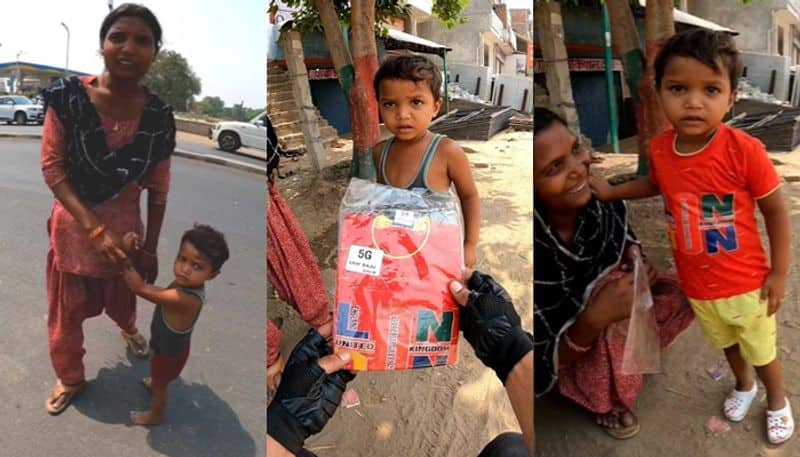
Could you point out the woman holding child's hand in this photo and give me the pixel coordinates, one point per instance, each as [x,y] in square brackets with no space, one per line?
[106,139]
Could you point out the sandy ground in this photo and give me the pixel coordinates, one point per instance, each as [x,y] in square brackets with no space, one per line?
[674,405]
[440,412]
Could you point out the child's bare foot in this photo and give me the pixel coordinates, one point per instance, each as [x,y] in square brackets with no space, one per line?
[145,418]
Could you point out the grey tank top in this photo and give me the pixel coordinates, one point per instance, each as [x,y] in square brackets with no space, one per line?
[421,178]
[164,339]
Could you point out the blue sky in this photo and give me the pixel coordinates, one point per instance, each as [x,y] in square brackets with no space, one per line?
[224,42]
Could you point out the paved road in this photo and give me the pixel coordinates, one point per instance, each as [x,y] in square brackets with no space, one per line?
[216,408]
[193,143]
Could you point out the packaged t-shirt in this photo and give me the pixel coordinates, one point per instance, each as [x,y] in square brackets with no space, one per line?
[398,251]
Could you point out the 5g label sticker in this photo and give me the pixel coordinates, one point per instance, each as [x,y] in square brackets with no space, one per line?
[364,260]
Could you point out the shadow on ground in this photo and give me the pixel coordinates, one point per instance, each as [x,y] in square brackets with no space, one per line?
[197,422]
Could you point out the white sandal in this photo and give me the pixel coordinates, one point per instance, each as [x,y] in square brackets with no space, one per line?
[780,424]
[738,403]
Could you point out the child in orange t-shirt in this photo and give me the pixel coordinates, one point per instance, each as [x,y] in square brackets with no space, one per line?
[711,177]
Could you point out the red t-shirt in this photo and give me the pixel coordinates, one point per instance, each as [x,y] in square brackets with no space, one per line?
[396,312]
[709,200]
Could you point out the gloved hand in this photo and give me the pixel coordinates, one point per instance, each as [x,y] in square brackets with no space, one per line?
[310,391]
[490,323]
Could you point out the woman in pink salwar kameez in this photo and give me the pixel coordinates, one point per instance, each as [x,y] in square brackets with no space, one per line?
[583,284]
[106,138]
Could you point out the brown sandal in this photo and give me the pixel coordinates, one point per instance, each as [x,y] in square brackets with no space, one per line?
[624,432]
[136,343]
[61,396]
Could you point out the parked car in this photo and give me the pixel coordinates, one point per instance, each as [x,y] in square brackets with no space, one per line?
[230,136]
[21,110]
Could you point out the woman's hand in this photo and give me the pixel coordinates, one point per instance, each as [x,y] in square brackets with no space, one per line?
[148,266]
[107,243]
[612,303]
[652,272]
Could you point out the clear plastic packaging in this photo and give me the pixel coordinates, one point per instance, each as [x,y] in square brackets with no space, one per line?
[642,352]
[398,251]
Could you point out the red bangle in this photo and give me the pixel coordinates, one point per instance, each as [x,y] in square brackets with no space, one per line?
[571,344]
[97,231]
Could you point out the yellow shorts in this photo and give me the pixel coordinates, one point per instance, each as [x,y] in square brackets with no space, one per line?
[741,320]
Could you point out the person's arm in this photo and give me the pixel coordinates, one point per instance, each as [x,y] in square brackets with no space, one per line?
[157,183]
[168,298]
[611,304]
[311,389]
[779,231]
[493,328]
[642,187]
[519,389]
[458,169]
[52,160]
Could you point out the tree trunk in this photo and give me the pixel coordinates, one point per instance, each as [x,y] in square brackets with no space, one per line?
[550,26]
[336,43]
[659,26]
[626,44]
[363,104]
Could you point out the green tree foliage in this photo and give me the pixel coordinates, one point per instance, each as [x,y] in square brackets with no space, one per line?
[172,78]
[307,17]
[211,106]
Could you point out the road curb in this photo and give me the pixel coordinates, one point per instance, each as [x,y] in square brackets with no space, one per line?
[221,161]
[244,166]
[31,136]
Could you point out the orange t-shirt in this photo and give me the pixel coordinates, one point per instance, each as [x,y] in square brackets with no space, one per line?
[709,200]
[402,315]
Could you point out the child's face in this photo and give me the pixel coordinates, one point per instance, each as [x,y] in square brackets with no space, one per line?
[407,108]
[694,97]
[192,269]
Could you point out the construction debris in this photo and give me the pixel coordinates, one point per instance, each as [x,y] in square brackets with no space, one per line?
[521,122]
[476,124]
[455,91]
[778,130]
[747,91]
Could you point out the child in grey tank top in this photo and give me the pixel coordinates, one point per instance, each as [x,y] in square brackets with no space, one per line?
[408,91]
[202,252]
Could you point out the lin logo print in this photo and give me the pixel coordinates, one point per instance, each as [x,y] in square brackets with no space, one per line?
[424,352]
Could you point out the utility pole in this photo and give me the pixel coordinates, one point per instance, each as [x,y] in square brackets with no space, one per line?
[66,65]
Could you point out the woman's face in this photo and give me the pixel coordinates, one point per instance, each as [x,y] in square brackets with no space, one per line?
[560,169]
[129,48]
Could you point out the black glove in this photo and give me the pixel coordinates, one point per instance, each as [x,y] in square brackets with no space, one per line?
[307,397]
[492,326]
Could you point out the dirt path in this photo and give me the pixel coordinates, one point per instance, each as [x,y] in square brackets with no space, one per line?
[674,406]
[440,412]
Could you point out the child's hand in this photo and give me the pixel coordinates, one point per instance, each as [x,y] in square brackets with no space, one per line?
[602,190]
[470,255]
[773,290]
[130,242]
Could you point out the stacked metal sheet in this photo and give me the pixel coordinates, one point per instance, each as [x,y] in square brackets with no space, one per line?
[521,122]
[476,124]
[779,130]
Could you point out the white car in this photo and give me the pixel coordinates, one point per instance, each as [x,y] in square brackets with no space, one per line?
[20,109]
[230,136]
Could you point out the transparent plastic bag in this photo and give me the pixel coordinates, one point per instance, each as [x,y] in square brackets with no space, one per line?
[398,251]
[642,352]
